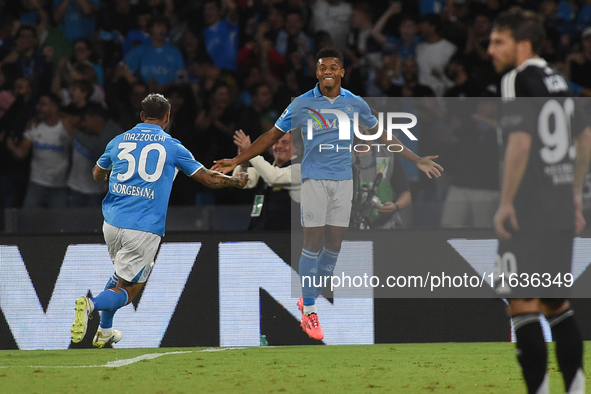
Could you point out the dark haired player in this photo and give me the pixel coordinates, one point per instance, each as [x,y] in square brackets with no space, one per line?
[541,204]
[327,186]
[140,165]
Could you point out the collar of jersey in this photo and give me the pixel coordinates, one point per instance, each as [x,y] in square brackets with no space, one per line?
[318,93]
[532,61]
[148,126]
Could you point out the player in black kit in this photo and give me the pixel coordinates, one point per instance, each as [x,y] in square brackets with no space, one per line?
[547,155]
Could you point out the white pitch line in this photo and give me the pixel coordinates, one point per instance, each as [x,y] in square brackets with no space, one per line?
[124,362]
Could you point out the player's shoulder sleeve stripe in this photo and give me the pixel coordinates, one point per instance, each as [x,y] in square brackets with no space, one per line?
[198,168]
[101,167]
[279,128]
[508,86]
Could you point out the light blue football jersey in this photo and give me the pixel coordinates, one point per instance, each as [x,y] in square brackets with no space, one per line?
[327,155]
[143,162]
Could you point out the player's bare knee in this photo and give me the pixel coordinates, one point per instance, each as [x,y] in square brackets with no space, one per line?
[313,238]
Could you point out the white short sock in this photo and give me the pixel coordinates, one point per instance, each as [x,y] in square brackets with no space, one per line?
[106,332]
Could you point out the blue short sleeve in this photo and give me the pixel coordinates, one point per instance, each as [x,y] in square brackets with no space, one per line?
[185,161]
[366,118]
[284,121]
[105,161]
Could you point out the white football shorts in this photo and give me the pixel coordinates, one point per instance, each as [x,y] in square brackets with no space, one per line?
[132,252]
[326,202]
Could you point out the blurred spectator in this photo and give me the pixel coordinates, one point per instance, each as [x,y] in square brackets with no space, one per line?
[579,63]
[78,97]
[473,196]
[433,53]
[252,76]
[183,111]
[117,18]
[260,52]
[76,18]
[276,20]
[260,116]
[476,49]
[193,50]
[14,172]
[584,16]
[83,54]
[295,84]
[276,204]
[157,63]
[459,71]
[555,21]
[293,38]
[407,31]
[141,34]
[221,32]
[31,12]
[388,74]
[32,63]
[50,143]
[94,133]
[215,126]
[127,111]
[68,74]
[360,41]
[391,189]
[54,45]
[332,16]
[411,87]
[455,21]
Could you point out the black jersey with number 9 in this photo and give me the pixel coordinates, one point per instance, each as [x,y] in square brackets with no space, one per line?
[537,100]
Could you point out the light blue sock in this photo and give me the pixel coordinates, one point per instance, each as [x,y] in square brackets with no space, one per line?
[110,300]
[308,270]
[326,262]
[107,316]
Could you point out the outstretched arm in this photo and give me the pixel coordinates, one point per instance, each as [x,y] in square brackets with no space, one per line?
[216,180]
[425,163]
[261,144]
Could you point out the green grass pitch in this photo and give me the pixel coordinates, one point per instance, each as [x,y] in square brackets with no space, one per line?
[398,368]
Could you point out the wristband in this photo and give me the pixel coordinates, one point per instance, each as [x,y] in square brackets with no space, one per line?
[397,207]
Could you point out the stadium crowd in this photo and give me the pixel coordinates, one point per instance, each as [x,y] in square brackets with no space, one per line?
[73,74]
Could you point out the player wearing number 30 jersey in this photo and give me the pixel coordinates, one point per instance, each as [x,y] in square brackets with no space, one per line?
[547,155]
[141,165]
[144,161]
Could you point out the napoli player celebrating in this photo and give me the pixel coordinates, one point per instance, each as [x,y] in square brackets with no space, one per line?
[142,164]
[327,185]
[541,202]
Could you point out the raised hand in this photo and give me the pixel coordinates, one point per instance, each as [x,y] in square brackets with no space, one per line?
[224,166]
[241,140]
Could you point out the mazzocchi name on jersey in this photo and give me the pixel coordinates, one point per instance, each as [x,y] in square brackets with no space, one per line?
[133,190]
[144,137]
